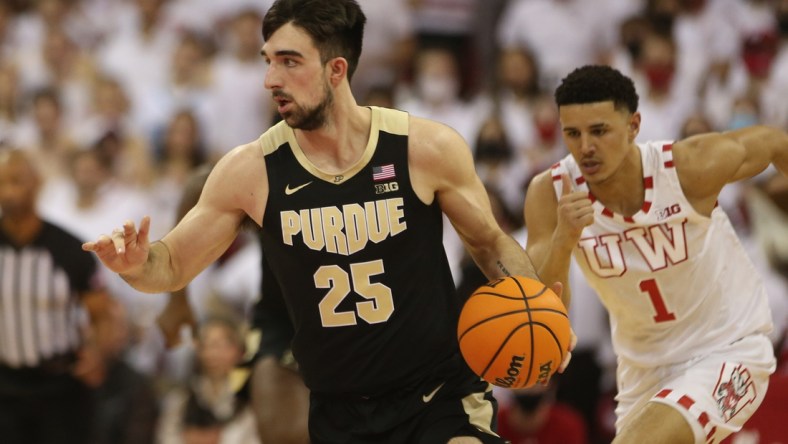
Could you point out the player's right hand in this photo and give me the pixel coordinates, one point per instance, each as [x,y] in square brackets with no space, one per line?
[575,211]
[126,249]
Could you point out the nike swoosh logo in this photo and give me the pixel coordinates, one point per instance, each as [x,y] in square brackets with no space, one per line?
[290,191]
[428,397]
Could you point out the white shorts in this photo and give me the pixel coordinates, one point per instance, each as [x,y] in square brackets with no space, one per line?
[715,393]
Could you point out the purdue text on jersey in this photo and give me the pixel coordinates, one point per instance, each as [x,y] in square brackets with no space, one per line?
[344,230]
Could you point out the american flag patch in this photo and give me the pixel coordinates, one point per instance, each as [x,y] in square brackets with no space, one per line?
[383,172]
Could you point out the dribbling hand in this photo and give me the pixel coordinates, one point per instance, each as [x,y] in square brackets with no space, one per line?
[126,249]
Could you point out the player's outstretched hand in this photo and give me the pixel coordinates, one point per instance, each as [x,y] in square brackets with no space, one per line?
[126,249]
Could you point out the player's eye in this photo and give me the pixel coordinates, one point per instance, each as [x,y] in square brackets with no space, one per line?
[290,63]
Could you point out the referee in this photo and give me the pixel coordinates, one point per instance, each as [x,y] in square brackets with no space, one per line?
[48,309]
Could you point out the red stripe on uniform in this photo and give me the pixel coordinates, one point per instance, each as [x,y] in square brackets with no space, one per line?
[667,147]
[711,433]
[646,206]
[669,164]
[629,219]
[580,180]
[686,402]
[607,212]
[664,393]
[556,178]
[592,197]
[703,419]
[648,182]
[556,165]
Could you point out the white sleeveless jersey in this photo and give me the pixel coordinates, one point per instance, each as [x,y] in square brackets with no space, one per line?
[677,284]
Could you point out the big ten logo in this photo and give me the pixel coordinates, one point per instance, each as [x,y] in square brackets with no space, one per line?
[668,211]
[381,188]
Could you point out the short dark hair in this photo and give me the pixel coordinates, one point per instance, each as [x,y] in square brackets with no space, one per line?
[336,26]
[597,83]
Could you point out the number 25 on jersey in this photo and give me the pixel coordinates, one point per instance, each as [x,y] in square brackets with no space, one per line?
[376,309]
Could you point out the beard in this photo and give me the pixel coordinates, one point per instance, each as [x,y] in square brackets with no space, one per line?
[307,119]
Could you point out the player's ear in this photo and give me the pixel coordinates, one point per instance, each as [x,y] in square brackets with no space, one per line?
[634,126]
[337,68]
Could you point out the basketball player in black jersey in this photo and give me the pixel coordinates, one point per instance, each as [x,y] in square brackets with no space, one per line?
[349,201]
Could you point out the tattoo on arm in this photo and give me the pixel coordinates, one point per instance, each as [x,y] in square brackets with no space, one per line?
[503,268]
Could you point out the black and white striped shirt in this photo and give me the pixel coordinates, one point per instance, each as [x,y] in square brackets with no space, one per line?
[40,284]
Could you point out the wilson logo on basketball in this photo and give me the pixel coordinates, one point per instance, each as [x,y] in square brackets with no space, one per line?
[544,373]
[514,371]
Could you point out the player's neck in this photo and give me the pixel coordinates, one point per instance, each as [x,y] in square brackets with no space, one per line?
[341,142]
[623,192]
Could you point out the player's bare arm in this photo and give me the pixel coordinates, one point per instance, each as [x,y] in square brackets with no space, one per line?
[707,162]
[236,188]
[554,227]
[441,167]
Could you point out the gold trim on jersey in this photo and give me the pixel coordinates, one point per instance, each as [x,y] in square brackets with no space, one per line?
[480,411]
[275,137]
[393,121]
[381,119]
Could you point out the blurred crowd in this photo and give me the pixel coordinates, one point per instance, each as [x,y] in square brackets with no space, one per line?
[120,101]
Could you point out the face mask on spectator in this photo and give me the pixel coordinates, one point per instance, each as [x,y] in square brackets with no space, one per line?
[659,76]
[758,53]
[742,119]
[438,89]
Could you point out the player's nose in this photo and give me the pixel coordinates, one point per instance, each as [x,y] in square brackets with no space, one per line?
[272,79]
[586,144]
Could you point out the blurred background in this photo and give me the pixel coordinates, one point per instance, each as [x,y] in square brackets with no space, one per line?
[120,101]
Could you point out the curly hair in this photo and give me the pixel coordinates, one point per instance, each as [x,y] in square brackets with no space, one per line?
[597,83]
[336,26]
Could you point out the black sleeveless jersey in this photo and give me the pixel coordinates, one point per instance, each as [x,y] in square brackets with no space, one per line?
[360,261]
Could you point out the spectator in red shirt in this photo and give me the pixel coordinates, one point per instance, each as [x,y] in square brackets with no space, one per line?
[532,416]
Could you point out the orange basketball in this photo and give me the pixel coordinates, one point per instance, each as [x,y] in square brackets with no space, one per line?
[514,332]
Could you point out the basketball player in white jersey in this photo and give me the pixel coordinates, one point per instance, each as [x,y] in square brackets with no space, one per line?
[688,311]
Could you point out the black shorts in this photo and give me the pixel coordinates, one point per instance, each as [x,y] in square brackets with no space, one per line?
[451,402]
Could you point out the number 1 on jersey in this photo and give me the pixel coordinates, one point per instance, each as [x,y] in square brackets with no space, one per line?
[663,315]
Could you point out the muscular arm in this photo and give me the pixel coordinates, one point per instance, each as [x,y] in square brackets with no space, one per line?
[551,260]
[707,162]
[442,167]
[554,227]
[236,187]
[178,312]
